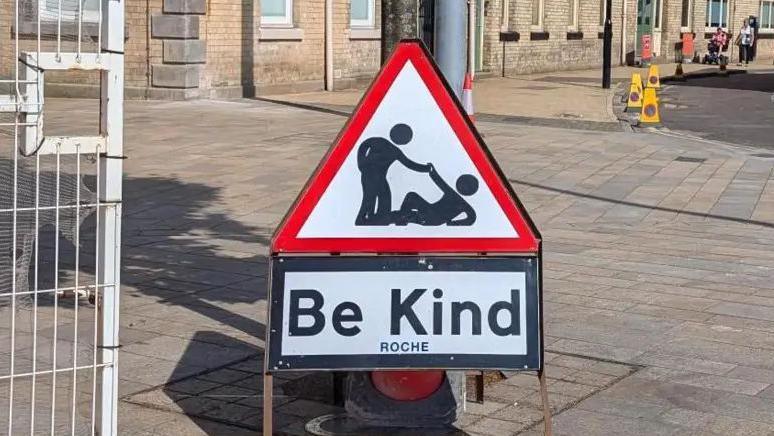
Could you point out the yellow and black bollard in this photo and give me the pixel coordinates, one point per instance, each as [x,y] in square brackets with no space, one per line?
[654,79]
[649,113]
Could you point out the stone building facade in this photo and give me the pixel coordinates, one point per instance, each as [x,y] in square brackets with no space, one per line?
[567,34]
[179,49]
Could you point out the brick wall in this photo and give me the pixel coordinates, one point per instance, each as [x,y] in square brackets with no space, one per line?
[293,64]
[239,60]
[29,44]
[565,47]
[138,45]
[229,30]
[739,10]
[356,56]
[559,52]
[6,46]
[80,83]
[298,64]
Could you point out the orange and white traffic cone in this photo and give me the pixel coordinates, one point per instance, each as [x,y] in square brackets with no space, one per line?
[467,97]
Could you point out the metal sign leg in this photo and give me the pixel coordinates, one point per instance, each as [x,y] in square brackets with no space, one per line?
[268,391]
[479,377]
[546,407]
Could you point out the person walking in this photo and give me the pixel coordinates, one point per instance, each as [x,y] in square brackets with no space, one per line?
[745,42]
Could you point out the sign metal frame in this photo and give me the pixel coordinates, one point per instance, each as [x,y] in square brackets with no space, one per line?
[286,248]
[532,360]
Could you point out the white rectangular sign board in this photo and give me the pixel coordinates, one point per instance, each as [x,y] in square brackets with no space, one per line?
[338,312]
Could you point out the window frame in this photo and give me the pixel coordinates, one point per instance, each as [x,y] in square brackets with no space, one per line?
[687,9]
[49,26]
[574,16]
[370,22]
[89,16]
[284,21]
[602,15]
[658,15]
[541,15]
[769,29]
[724,16]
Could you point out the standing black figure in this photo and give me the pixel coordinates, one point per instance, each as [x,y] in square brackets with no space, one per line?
[374,158]
[451,209]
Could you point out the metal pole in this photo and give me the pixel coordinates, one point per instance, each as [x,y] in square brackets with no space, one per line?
[399,21]
[268,403]
[328,45]
[110,188]
[451,20]
[607,45]
[450,46]
[623,31]
[472,38]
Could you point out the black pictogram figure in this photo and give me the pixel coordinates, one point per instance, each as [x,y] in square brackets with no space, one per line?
[451,209]
[374,157]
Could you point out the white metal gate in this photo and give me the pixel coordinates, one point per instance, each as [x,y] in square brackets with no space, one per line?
[60,220]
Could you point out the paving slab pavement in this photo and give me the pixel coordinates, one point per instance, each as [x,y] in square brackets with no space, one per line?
[659,302]
[573,99]
[523,96]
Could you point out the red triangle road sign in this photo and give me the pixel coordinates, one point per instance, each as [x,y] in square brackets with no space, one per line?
[409,173]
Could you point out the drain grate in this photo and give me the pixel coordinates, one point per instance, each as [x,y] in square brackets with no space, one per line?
[690,159]
[765,155]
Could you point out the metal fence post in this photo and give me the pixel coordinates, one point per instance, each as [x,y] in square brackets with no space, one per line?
[111,127]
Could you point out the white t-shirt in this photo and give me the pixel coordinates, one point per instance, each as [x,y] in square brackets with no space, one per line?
[746,34]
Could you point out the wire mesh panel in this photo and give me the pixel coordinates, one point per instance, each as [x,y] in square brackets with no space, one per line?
[59,222]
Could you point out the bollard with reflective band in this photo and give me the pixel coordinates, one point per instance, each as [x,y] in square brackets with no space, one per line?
[467,97]
[649,114]
[654,77]
[637,80]
[387,399]
[635,99]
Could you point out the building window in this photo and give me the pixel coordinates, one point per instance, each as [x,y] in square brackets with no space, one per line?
[572,15]
[602,12]
[717,14]
[361,13]
[74,18]
[537,14]
[685,17]
[767,15]
[277,12]
[49,11]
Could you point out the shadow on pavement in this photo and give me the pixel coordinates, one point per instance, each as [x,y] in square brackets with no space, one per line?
[183,249]
[762,82]
[641,205]
[584,82]
[174,238]
[228,400]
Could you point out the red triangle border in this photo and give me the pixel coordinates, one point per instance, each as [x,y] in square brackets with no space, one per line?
[285,238]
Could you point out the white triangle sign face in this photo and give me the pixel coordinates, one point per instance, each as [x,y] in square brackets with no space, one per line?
[407,174]
[408,102]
